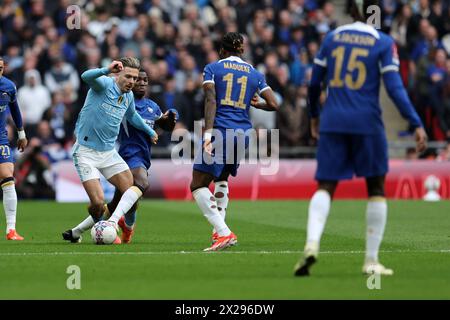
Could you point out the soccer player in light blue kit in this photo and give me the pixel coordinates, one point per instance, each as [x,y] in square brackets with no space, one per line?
[352,140]
[107,103]
[135,149]
[8,99]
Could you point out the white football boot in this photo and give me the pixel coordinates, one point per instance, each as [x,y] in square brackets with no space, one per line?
[309,258]
[371,267]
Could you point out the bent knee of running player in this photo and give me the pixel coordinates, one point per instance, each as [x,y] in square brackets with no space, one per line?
[200,180]
[140,178]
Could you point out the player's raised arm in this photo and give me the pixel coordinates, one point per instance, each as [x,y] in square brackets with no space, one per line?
[136,121]
[397,92]
[94,78]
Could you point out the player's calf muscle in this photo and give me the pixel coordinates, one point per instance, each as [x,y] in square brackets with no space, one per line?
[140,179]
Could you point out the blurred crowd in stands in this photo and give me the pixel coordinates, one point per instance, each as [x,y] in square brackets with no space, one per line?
[175,39]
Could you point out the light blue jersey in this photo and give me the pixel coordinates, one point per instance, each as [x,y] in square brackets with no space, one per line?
[98,123]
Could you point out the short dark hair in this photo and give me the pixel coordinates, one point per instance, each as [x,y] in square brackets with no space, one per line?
[233,42]
[359,8]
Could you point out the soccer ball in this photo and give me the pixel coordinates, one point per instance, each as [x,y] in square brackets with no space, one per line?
[103,232]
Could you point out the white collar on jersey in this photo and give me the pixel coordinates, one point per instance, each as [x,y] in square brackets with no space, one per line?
[359,26]
[234,58]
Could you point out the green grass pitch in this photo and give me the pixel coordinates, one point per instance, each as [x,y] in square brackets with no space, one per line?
[165,260]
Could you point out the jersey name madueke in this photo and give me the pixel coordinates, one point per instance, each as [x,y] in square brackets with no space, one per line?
[238,67]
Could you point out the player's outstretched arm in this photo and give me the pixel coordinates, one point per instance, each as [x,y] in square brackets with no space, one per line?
[397,92]
[268,104]
[136,121]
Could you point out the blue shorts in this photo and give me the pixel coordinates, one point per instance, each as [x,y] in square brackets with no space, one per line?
[233,150]
[6,155]
[136,161]
[340,156]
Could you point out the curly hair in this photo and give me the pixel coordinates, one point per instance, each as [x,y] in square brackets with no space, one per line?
[233,42]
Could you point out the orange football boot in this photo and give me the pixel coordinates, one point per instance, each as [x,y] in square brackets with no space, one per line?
[223,243]
[215,237]
[127,233]
[13,235]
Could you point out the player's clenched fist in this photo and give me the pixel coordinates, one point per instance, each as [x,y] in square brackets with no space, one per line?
[22,144]
[115,67]
[154,138]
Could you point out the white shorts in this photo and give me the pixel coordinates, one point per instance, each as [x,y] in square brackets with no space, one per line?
[90,163]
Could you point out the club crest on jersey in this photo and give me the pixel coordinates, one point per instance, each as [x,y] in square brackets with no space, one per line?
[120,100]
[4,99]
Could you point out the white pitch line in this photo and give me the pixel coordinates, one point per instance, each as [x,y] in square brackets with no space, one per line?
[137,253]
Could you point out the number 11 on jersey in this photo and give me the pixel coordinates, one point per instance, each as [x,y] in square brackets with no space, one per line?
[227,101]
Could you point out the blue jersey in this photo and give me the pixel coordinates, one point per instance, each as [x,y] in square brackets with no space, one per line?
[99,120]
[355,56]
[135,145]
[236,82]
[8,94]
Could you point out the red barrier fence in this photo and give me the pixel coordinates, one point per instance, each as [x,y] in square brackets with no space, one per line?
[293,180]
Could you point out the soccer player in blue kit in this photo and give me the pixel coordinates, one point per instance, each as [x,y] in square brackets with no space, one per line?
[135,150]
[230,85]
[108,101]
[352,140]
[8,99]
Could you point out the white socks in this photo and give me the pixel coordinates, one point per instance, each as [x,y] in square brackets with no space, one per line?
[10,205]
[86,224]
[319,207]
[128,199]
[208,204]
[376,220]
[221,195]
[376,213]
